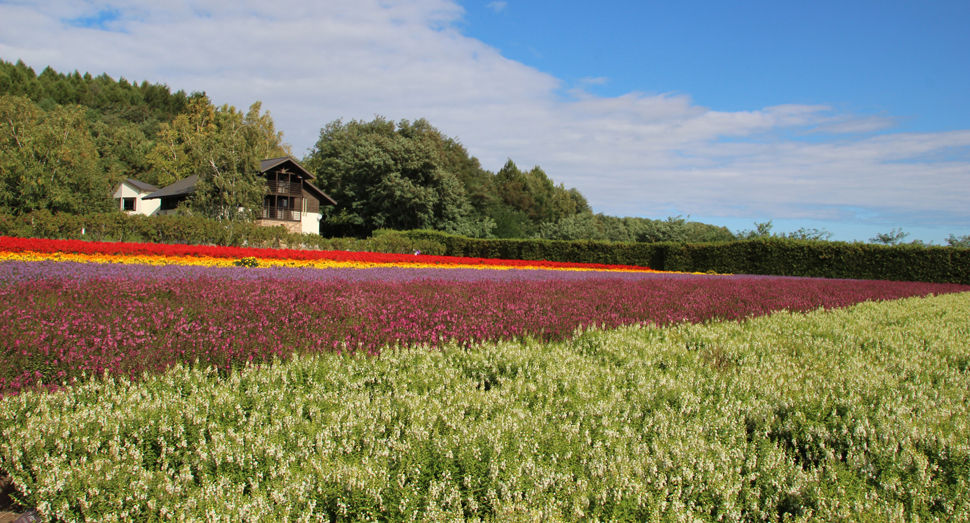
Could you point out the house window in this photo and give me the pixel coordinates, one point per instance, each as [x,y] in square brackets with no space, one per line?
[172,203]
[128,204]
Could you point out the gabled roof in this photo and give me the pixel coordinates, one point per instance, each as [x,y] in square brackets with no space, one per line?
[141,186]
[265,165]
[313,189]
[180,188]
[187,186]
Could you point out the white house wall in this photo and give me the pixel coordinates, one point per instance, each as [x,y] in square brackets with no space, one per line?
[311,222]
[146,207]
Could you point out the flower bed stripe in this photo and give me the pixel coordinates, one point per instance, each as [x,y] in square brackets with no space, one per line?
[34,249]
[58,328]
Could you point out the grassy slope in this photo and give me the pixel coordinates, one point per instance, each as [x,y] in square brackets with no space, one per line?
[855,414]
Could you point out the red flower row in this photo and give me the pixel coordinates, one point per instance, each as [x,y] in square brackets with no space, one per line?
[9,244]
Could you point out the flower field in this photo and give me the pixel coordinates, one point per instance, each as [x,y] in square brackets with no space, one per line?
[342,386]
[855,414]
[136,308]
[33,249]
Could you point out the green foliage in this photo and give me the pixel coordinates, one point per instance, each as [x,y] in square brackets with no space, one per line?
[845,415]
[197,230]
[599,227]
[223,147]
[246,262]
[533,201]
[761,230]
[817,235]
[962,242]
[770,256]
[410,176]
[48,160]
[390,176]
[110,101]
[893,237]
[224,153]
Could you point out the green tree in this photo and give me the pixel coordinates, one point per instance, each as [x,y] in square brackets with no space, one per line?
[819,235]
[223,147]
[532,195]
[225,155]
[48,160]
[123,149]
[893,237]
[173,157]
[962,242]
[268,141]
[761,230]
[387,176]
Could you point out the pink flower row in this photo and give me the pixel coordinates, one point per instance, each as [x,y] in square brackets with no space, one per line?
[57,329]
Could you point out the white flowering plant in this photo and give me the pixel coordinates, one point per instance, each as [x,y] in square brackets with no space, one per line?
[856,414]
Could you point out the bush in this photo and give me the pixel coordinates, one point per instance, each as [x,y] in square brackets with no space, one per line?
[764,256]
[195,230]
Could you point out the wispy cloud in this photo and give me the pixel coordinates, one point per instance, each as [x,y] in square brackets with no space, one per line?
[647,154]
[498,7]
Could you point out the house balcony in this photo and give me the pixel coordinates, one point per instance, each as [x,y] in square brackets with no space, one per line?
[284,188]
[281,213]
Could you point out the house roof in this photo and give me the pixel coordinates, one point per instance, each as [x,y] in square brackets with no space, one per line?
[313,189]
[265,165]
[180,188]
[141,186]
[187,186]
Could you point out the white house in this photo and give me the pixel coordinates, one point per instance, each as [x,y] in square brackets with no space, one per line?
[131,194]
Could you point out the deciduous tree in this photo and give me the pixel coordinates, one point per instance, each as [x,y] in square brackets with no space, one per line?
[389,176]
[48,160]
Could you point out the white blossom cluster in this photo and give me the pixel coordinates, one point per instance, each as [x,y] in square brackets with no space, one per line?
[844,415]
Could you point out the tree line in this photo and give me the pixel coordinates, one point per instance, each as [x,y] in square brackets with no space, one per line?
[66,140]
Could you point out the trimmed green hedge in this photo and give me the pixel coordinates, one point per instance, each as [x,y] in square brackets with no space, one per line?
[194,230]
[772,256]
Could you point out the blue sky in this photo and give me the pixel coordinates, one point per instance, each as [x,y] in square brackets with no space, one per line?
[904,60]
[849,116]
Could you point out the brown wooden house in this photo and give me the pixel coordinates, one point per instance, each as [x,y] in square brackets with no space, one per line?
[290,200]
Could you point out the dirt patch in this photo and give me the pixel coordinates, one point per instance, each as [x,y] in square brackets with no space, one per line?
[10,512]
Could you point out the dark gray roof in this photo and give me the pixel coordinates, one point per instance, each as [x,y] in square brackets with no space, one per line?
[179,188]
[187,186]
[142,186]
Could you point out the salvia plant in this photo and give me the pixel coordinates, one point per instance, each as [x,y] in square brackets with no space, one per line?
[854,414]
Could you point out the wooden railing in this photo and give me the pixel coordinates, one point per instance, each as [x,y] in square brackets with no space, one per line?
[285,188]
[281,213]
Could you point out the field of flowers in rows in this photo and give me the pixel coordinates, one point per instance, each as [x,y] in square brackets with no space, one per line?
[855,414]
[65,320]
[147,382]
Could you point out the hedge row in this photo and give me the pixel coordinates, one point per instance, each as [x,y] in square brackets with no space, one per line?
[771,256]
[194,230]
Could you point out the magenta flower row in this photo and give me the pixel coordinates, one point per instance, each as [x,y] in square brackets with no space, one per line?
[62,321]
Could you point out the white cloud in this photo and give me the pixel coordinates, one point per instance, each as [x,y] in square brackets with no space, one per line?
[640,153]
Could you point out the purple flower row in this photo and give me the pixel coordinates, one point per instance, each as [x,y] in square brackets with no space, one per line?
[61,321]
[16,271]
